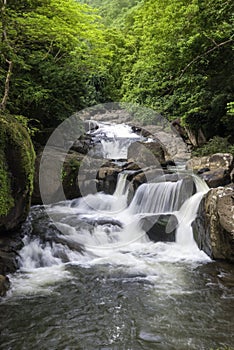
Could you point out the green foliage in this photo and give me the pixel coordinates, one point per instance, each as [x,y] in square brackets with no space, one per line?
[230,108]
[114,13]
[174,56]
[215,145]
[59,57]
[183,61]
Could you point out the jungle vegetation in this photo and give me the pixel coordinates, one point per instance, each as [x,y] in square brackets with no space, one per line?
[174,56]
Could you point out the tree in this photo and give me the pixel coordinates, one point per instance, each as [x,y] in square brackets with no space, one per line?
[184,61]
[58,51]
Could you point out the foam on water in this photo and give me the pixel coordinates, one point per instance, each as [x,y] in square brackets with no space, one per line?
[109,233]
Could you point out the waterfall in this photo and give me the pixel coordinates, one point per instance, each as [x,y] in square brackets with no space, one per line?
[188,212]
[106,229]
[115,148]
[121,186]
[114,139]
[162,197]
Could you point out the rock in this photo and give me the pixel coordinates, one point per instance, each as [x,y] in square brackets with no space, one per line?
[160,227]
[161,131]
[90,125]
[175,146]
[214,226]
[179,129]
[107,176]
[146,154]
[83,144]
[146,175]
[103,221]
[4,285]
[60,176]
[215,169]
[196,138]
[203,170]
[10,244]
[16,173]
[213,162]
[216,178]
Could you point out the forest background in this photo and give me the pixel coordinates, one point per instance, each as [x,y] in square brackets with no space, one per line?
[174,56]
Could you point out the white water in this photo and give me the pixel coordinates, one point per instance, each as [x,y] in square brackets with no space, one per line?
[156,198]
[118,242]
[107,226]
[115,139]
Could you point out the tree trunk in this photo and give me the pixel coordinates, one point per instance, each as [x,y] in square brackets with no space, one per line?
[7,86]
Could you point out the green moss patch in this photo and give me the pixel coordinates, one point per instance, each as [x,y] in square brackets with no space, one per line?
[16,163]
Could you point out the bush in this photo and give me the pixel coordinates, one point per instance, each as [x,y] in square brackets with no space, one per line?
[215,145]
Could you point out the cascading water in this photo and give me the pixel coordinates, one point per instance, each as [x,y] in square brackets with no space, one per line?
[115,139]
[104,226]
[90,278]
[157,198]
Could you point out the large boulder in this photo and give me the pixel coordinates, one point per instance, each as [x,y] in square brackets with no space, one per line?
[217,177]
[16,173]
[215,169]
[160,228]
[213,162]
[214,226]
[58,173]
[147,154]
[107,178]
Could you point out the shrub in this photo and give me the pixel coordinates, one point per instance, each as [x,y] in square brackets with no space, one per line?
[215,145]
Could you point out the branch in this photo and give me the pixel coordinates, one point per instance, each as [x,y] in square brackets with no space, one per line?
[7,86]
[48,51]
[205,54]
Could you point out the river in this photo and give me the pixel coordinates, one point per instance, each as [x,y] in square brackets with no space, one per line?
[91,279]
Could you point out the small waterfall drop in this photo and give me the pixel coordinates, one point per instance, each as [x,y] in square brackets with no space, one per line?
[188,212]
[121,186]
[162,197]
[114,139]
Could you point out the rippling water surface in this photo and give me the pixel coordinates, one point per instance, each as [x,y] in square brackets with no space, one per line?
[181,306]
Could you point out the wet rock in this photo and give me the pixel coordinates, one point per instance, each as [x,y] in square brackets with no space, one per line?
[83,144]
[103,221]
[90,125]
[4,285]
[203,170]
[107,178]
[216,178]
[10,244]
[160,227]
[147,175]
[214,226]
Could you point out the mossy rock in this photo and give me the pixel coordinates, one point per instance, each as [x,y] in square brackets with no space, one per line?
[16,172]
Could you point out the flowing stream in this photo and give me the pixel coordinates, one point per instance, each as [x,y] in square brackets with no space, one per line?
[90,278]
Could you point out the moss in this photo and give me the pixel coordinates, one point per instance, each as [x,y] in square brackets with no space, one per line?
[6,199]
[17,158]
[69,175]
[70,170]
